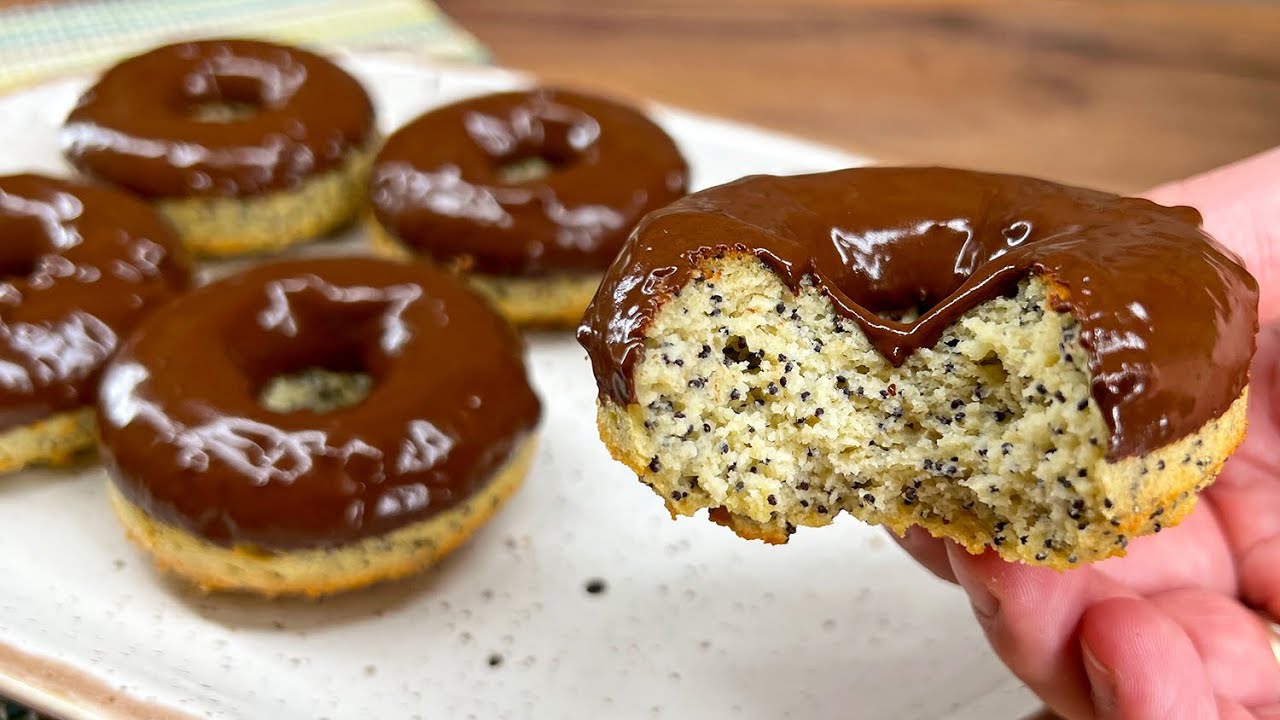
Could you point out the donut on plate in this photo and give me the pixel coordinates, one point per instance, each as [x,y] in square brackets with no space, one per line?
[81,266]
[532,192]
[308,427]
[1009,363]
[246,146]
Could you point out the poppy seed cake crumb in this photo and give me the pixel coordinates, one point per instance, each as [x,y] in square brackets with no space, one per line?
[991,437]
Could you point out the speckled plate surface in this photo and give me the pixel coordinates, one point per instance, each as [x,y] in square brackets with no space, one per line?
[686,620]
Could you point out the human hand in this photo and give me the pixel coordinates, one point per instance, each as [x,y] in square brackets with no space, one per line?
[1169,631]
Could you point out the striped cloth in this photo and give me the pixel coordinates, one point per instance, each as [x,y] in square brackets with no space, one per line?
[41,41]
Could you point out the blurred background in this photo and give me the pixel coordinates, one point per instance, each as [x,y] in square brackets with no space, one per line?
[1119,94]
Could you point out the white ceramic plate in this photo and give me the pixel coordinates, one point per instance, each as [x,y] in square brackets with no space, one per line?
[694,623]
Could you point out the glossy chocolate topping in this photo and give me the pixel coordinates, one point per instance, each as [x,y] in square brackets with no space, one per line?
[144,124]
[438,185]
[79,266]
[1168,315]
[187,440]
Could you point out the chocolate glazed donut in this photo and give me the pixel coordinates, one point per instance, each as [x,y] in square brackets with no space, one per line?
[207,123]
[440,187]
[1042,371]
[138,127]
[191,447]
[82,265]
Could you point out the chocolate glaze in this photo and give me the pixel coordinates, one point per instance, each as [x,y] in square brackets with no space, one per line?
[1168,316]
[136,128]
[437,183]
[186,439]
[79,266]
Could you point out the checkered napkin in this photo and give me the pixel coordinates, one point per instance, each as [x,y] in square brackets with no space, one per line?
[59,38]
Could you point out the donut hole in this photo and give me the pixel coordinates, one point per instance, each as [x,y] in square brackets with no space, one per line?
[18,267]
[313,373]
[555,147]
[222,99]
[316,347]
[27,241]
[533,167]
[220,111]
[525,170]
[339,383]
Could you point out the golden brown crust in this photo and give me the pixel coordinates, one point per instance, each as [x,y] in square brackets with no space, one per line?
[315,573]
[551,302]
[57,440]
[224,227]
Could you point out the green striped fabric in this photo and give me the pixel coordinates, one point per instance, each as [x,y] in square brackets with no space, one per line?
[40,41]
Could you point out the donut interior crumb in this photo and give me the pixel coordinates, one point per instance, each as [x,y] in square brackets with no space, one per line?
[772,410]
[524,170]
[317,389]
[226,111]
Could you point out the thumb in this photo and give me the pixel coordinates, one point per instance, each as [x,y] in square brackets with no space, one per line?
[1240,204]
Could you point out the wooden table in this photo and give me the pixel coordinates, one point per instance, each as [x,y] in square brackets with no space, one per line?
[1121,94]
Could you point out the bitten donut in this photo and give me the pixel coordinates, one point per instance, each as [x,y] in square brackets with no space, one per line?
[309,427]
[81,265]
[1010,363]
[246,146]
[533,192]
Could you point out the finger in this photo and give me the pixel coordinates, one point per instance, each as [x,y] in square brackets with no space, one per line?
[1229,709]
[1260,577]
[928,551]
[1247,495]
[1030,615]
[1240,204]
[1233,644]
[1194,554]
[1270,712]
[1141,664]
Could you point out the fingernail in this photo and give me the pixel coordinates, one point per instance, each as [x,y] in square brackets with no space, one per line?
[1101,682]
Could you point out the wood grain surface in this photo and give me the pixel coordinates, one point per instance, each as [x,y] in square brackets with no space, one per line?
[1118,94]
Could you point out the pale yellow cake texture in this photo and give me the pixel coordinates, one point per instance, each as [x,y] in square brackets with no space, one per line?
[228,226]
[550,301]
[773,411]
[325,571]
[58,440]
[317,389]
